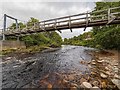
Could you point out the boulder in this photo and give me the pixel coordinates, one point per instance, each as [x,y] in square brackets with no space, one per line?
[86,85]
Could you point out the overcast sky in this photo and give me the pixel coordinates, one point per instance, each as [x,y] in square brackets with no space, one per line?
[23,10]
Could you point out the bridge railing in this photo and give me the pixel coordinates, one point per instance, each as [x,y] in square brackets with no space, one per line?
[82,18]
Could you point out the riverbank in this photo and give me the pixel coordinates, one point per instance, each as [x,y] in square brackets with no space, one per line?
[104,70]
[28,50]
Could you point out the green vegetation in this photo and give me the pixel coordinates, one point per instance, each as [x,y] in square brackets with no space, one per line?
[102,37]
[49,39]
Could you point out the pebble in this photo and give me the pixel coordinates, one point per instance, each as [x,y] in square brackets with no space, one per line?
[116,76]
[95,88]
[86,85]
[103,85]
[99,61]
[95,83]
[73,85]
[8,58]
[106,68]
[64,81]
[103,75]
[49,86]
[83,80]
[93,63]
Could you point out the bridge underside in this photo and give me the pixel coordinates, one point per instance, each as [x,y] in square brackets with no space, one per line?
[81,24]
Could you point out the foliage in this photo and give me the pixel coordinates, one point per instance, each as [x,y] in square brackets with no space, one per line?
[107,37]
[52,39]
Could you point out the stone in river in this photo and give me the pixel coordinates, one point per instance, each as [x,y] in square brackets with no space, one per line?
[83,80]
[103,75]
[73,85]
[99,61]
[103,85]
[86,85]
[93,63]
[95,88]
[64,82]
[49,86]
[116,82]
[106,68]
[95,83]
[8,58]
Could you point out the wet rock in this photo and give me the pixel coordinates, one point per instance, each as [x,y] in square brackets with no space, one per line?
[86,85]
[116,82]
[103,75]
[95,83]
[103,85]
[49,86]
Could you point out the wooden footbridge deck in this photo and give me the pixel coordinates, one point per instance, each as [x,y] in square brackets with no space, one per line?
[82,20]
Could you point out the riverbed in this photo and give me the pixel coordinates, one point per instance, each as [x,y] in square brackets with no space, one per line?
[65,67]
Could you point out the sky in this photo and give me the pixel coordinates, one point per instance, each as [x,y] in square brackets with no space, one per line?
[43,10]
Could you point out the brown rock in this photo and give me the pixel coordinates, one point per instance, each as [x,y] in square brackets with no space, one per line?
[71,77]
[73,85]
[103,85]
[83,80]
[64,82]
[49,86]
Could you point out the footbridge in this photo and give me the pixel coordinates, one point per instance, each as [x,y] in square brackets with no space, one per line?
[83,20]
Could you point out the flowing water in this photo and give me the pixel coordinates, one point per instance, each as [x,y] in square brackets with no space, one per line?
[21,70]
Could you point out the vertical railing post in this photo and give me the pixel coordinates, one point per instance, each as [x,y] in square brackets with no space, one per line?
[16,24]
[69,22]
[87,21]
[4,27]
[109,15]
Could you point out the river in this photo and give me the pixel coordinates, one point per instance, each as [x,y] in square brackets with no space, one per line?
[47,69]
